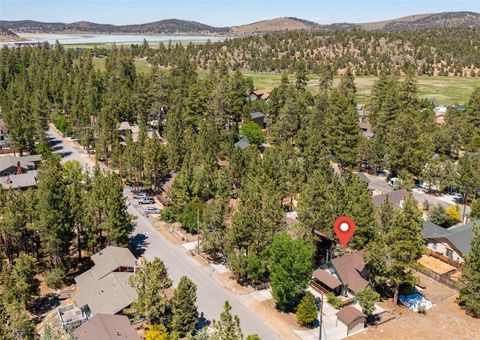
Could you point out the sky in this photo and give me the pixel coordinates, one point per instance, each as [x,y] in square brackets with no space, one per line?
[224,12]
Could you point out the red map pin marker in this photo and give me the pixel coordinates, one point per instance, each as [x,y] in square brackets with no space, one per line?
[344,228]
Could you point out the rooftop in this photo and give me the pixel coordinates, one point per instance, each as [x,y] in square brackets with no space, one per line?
[348,268]
[105,287]
[349,314]
[104,326]
[396,197]
[257,115]
[26,180]
[9,161]
[459,237]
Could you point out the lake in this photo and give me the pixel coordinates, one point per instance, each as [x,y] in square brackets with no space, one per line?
[77,39]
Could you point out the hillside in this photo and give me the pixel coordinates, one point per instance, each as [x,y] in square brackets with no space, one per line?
[274,25]
[175,26]
[170,26]
[426,21]
[7,35]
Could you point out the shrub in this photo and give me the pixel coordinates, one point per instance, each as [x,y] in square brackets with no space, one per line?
[307,310]
[439,216]
[334,301]
[168,215]
[454,213]
[55,278]
[190,214]
[253,132]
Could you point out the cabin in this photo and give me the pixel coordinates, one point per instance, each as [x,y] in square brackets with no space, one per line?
[259,119]
[344,275]
[105,287]
[452,243]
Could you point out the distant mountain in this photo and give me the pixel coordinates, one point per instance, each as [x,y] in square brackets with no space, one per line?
[425,21]
[170,26]
[175,26]
[7,35]
[274,25]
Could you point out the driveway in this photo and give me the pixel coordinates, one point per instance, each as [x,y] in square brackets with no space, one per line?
[150,244]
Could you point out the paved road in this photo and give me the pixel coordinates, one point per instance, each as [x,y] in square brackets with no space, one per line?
[211,294]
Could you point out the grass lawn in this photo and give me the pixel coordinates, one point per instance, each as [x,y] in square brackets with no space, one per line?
[447,90]
[140,65]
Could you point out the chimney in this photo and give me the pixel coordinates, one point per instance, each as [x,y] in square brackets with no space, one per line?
[19,169]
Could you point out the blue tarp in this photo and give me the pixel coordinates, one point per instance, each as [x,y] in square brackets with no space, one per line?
[415,302]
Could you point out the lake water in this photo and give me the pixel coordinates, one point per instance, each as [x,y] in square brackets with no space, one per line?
[72,39]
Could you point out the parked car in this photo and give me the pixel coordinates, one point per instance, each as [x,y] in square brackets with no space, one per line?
[146,200]
[140,196]
[152,210]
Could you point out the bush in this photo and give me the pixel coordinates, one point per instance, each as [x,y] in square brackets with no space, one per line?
[334,301]
[190,214]
[55,278]
[454,213]
[439,216]
[253,132]
[168,215]
[62,125]
[307,310]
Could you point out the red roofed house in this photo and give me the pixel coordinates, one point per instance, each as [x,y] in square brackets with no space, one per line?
[343,275]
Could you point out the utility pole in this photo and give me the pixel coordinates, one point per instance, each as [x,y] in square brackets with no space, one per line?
[198,232]
[321,318]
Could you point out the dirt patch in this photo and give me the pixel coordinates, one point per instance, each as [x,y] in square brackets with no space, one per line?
[436,265]
[282,323]
[434,290]
[166,231]
[445,320]
[228,281]
[200,260]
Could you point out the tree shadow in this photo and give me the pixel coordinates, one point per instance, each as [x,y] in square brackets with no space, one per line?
[65,154]
[140,243]
[202,323]
[42,305]
[53,142]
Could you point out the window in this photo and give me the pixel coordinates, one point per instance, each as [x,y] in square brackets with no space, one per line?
[434,246]
[449,253]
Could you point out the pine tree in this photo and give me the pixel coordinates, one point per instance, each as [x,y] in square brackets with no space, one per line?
[367,299]
[150,282]
[469,297]
[357,203]
[184,307]
[228,327]
[307,310]
[406,243]
[318,205]
[54,213]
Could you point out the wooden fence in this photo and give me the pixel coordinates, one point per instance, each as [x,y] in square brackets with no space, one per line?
[439,278]
[443,258]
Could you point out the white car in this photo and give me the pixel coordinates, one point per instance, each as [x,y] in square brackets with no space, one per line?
[152,210]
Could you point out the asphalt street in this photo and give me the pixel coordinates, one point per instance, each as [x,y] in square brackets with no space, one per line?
[210,293]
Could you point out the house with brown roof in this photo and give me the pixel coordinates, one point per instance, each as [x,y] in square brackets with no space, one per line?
[342,275]
[105,287]
[396,197]
[260,95]
[352,319]
[108,327]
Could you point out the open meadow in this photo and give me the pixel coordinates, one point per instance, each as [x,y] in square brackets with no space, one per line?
[447,90]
